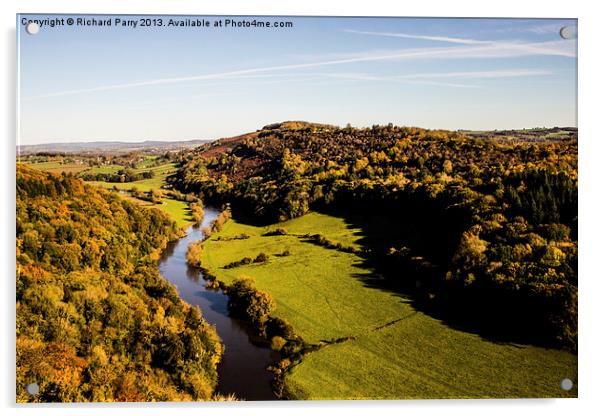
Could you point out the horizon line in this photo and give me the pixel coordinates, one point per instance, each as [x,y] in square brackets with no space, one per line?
[138,141]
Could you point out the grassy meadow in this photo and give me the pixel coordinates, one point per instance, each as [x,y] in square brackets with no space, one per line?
[396,352]
[58,167]
[105,169]
[145,185]
[178,210]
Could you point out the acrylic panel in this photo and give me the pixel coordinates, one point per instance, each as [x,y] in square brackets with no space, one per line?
[241,208]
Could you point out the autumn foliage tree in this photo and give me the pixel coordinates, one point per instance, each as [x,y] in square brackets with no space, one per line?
[94,320]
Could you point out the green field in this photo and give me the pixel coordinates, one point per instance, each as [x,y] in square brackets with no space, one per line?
[147,162]
[397,352]
[178,210]
[58,167]
[145,185]
[105,169]
[136,200]
[161,170]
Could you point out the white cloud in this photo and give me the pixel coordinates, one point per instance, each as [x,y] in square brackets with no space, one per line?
[505,73]
[539,29]
[463,41]
[490,50]
[426,79]
[394,79]
[469,50]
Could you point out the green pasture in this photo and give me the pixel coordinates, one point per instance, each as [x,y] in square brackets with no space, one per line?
[397,351]
[178,210]
[105,169]
[144,185]
[58,167]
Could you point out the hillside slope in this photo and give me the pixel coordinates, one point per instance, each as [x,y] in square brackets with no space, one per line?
[95,320]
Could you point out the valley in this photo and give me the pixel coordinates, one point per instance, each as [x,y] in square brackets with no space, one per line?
[382,263]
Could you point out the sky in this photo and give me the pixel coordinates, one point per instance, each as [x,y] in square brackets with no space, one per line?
[89,83]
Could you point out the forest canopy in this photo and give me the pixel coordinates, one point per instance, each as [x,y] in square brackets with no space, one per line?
[95,320]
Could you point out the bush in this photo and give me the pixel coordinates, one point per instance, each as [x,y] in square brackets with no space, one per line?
[212,284]
[241,262]
[277,231]
[193,254]
[247,302]
[221,219]
[279,327]
[197,211]
[261,258]
[277,343]
[243,236]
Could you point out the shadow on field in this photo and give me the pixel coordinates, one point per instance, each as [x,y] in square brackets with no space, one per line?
[407,245]
[428,237]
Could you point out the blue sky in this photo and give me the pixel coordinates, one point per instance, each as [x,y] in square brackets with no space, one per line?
[94,83]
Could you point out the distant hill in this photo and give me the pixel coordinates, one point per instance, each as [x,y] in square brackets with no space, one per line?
[216,147]
[113,146]
[534,135]
[259,152]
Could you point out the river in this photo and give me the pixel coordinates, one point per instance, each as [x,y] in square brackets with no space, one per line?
[242,370]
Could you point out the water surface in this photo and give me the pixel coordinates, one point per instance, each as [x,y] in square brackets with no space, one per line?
[243,367]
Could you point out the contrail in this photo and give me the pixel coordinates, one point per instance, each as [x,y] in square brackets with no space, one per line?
[483,50]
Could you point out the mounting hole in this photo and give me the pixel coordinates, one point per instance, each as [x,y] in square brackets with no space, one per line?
[32,28]
[566,384]
[33,388]
[568,32]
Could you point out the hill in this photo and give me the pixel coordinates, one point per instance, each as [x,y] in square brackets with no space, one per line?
[95,321]
[466,224]
[90,148]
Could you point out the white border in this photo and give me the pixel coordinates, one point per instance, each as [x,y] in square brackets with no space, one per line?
[589,160]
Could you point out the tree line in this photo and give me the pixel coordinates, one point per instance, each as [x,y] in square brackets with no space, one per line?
[121,176]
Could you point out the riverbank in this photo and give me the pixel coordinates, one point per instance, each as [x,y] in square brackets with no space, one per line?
[242,371]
